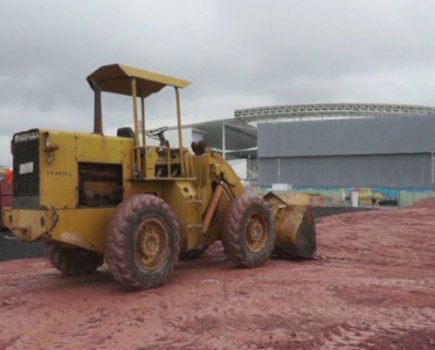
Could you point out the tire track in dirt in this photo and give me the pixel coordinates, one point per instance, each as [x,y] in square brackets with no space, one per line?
[382,323]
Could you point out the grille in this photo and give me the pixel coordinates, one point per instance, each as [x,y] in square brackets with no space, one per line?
[26,152]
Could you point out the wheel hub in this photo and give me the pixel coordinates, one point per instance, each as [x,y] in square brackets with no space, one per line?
[152,243]
[256,233]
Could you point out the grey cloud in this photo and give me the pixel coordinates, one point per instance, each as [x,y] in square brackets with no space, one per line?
[238,54]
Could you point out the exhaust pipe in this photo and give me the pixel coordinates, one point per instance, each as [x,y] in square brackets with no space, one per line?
[98,119]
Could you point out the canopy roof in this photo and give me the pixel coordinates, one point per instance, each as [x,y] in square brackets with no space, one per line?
[116,78]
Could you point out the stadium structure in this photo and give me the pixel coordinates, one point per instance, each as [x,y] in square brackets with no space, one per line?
[330,110]
[385,147]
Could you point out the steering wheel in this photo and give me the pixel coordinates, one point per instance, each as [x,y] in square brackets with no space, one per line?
[155,133]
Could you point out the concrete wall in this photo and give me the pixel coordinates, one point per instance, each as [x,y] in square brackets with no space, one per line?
[395,170]
[390,152]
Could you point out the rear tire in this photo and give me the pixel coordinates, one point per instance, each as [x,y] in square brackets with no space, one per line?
[142,242]
[248,235]
[74,260]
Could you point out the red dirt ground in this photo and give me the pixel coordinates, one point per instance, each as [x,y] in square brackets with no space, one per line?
[372,286]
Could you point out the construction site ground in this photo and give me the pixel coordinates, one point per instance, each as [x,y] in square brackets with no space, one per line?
[371,286]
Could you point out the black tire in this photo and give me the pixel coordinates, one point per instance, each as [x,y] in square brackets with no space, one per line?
[142,242]
[248,235]
[74,260]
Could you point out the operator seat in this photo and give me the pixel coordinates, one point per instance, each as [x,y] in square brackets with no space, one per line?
[125,132]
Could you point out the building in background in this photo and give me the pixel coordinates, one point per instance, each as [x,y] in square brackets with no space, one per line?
[388,148]
[385,147]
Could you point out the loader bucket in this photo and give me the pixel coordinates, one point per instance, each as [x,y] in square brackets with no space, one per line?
[294,226]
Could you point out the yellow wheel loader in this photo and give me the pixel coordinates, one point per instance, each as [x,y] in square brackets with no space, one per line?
[139,207]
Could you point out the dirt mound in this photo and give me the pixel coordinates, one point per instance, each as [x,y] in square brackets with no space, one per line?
[428,203]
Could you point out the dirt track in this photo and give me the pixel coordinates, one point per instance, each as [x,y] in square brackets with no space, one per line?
[372,286]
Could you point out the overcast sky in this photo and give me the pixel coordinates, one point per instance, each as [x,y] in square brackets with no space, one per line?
[238,54]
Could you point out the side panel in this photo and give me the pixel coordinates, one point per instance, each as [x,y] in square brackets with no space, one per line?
[59,182]
[186,203]
[94,148]
[82,227]
[58,170]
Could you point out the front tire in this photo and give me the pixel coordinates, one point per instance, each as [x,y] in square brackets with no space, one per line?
[74,260]
[248,235]
[142,242]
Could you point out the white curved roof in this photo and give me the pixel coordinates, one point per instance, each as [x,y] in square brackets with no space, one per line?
[330,110]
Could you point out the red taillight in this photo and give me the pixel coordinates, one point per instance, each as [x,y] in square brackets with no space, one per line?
[9,176]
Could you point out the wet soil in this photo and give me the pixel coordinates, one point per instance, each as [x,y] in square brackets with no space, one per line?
[371,286]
